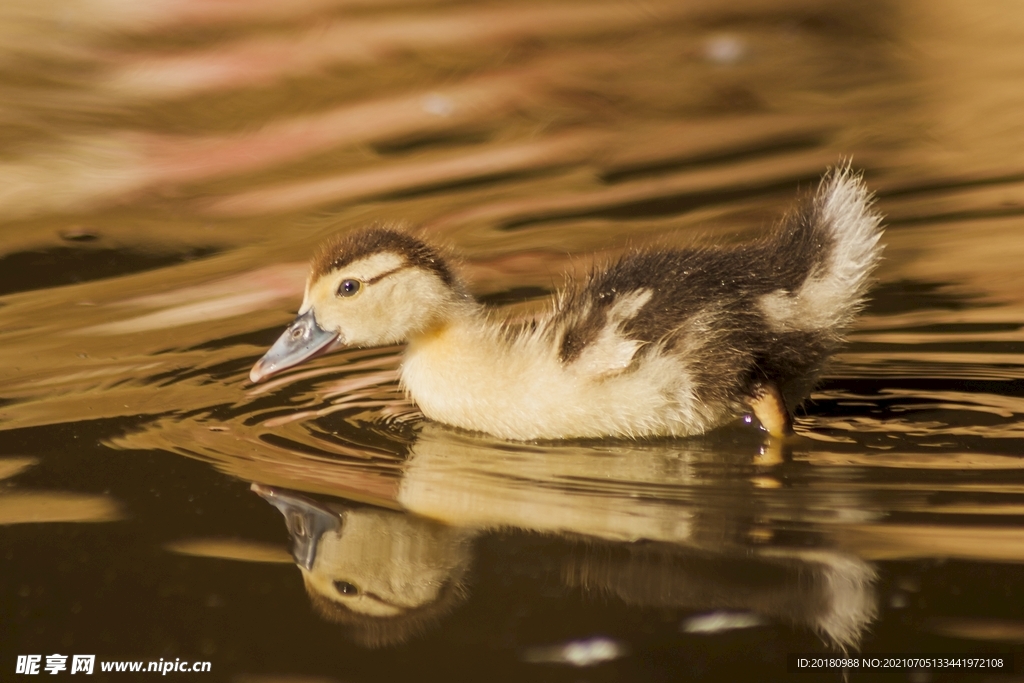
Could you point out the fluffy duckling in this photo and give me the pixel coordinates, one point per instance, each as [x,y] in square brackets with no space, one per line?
[661,342]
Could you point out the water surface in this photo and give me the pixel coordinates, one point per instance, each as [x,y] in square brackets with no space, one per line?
[167,169]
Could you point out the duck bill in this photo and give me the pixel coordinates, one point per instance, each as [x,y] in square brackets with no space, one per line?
[307,522]
[302,340]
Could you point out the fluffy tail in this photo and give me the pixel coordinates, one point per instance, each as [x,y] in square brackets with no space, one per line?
[836,234]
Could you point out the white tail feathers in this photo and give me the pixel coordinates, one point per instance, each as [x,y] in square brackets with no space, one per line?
[842,210]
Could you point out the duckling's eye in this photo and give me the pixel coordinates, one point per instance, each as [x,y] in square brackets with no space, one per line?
[346,588]
[349,287]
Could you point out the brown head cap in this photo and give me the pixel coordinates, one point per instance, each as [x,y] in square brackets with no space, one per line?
[343,249]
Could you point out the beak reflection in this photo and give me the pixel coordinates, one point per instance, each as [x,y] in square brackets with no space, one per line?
[306,522]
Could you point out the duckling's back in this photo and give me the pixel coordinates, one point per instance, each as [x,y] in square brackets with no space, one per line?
[737,318]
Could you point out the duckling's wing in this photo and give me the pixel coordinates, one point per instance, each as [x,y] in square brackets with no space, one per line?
[596,343]
[612,351]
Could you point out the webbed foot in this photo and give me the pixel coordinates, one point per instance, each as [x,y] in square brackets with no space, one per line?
[770,409]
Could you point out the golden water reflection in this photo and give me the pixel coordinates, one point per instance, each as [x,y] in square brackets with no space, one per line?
[167,167]
[688,524]
[56,506]
[19,506]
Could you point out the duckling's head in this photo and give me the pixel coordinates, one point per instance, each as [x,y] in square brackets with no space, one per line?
[371,287]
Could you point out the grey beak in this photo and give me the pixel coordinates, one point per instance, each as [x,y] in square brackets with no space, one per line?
[306,522]
[302,340]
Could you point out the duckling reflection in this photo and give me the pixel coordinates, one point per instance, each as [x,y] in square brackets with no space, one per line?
[828,592]
[392,575]
[642,548]
[385,575]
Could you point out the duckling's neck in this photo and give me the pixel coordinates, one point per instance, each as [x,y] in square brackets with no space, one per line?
[458,317]
[463,367]
[452,341]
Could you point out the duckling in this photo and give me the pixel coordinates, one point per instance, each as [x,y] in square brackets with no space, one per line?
[658,343]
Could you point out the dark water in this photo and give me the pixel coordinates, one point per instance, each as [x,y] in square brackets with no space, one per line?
[166,169]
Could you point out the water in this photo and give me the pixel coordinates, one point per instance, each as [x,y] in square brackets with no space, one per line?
[167,169]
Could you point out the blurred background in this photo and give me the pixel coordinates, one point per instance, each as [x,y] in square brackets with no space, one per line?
[166,169]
